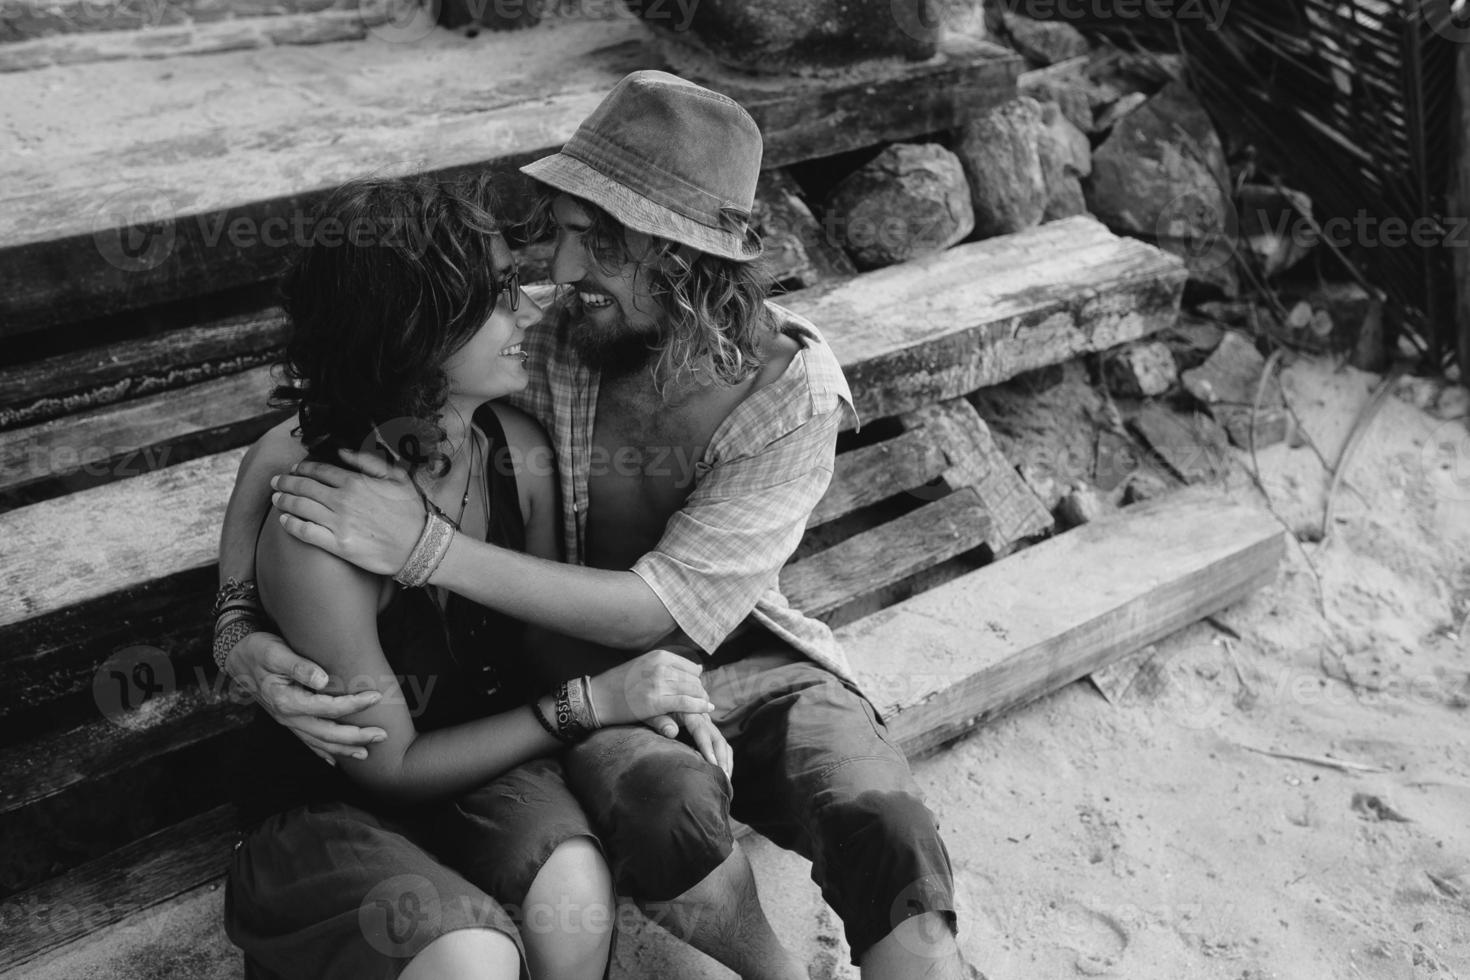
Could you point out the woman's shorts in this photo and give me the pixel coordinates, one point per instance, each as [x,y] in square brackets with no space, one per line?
[332,890]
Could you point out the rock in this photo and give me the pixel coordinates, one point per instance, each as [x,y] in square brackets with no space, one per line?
[1066,157]
[1227,383]
[780,37]
[1422,393]
[999,151]
[1161,174]
[1143,487]
[1272,226]
[1194,447]
[1453,403]
[1117,459]
[797,253]
[1079,506]
[1300,316]
[1321,325]
[1272,424]
[1067,90]
[910,200]
[1117,109]
[1141,370]
[1192,340]
[1044,42]
[1042,485]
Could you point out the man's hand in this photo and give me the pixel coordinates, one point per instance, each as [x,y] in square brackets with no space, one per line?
[287,686]
[371,518]
[710,743]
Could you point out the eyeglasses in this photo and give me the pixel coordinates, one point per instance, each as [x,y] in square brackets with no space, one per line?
[512,283]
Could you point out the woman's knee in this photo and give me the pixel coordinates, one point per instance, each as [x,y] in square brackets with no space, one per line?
[466,954]
[572,894]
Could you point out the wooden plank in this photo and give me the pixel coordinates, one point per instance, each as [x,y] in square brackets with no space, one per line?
[89,544]
[978,314]
[135,437]
[885,469]
[61,385]
[960,654]
[151,870]
[168,722]
[976,461]
[134,197]
[887,554]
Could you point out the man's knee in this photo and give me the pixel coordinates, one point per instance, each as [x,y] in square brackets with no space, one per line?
[882,861]
[669,826]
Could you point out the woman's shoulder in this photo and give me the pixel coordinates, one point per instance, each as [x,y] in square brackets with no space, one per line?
[290,570]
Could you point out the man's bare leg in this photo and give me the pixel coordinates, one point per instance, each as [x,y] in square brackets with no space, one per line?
[722,918]
[922,947]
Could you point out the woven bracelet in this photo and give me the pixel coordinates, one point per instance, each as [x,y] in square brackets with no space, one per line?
[236,594]
[228,632]
[427,553]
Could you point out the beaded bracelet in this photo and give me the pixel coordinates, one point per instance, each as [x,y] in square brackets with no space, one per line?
[550,729]
[236,594]
[232,627]
[427,553]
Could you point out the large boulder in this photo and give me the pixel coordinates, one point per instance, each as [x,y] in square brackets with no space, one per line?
[1161,175]
[999,151]
[797,254]
[778,36]
[908,201]
[1066,157]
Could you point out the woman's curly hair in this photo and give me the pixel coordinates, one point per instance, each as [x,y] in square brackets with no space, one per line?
[396,277]
[715,308]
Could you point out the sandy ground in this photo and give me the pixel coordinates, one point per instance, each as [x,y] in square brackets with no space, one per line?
[1154,838]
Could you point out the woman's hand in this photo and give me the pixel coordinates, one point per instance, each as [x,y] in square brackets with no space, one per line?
[371,518]
[287,686]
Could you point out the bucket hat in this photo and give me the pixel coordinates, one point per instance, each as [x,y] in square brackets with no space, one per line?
[669,158]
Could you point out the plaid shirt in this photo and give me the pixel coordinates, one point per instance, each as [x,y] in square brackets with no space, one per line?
[766,467]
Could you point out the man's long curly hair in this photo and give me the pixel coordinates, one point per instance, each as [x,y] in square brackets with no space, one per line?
[396,278]
[715,318]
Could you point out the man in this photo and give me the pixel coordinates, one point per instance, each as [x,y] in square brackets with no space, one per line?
[694,426]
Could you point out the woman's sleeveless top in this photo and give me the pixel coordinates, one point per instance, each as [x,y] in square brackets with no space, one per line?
[454,665]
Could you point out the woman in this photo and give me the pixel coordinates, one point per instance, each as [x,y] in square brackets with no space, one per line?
[414,857]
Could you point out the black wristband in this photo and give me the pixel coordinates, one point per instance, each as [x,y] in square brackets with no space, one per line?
[550,730]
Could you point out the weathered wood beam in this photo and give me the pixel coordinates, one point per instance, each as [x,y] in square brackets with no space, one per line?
[962,653]
[979,314]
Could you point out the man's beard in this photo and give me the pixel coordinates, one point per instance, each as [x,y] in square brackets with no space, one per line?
[614,350]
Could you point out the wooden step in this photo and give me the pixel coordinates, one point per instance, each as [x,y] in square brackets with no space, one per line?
[958,655]
[131,194]
[935,666]
[135,437]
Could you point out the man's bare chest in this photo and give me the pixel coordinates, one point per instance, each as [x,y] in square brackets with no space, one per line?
[642,466]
